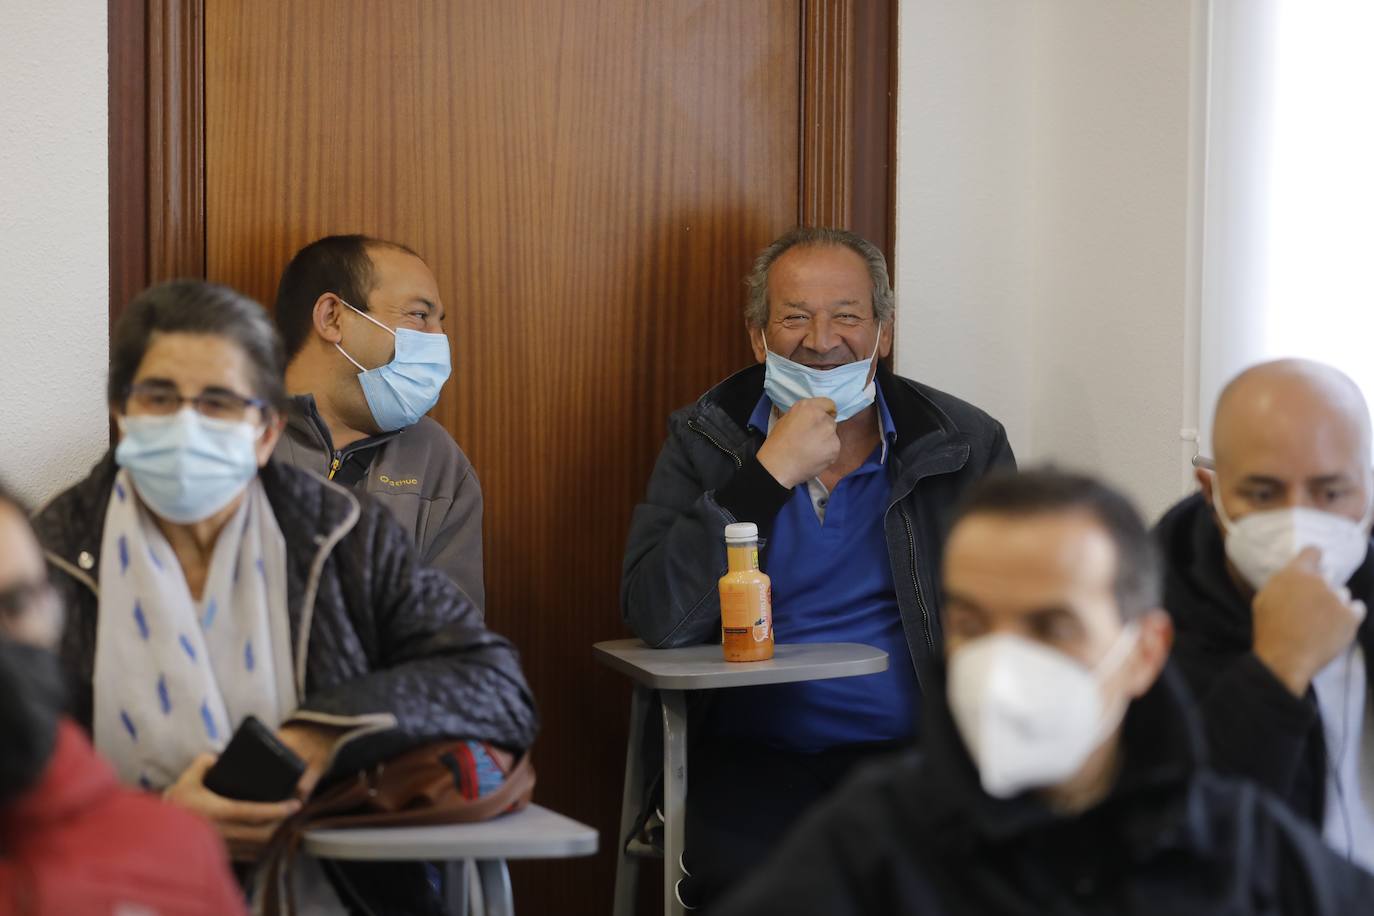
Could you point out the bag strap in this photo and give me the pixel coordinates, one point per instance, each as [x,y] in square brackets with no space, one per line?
[513,794]
[324,812]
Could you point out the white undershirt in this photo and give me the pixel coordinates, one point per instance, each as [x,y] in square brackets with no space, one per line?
[1348,724]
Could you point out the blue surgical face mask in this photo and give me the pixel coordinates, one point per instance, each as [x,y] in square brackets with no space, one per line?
[849,386]
[407,388]
[187,467]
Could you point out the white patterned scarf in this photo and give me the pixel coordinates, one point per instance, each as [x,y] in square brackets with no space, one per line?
[175,676]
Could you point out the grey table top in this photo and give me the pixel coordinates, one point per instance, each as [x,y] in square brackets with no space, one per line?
[535,833]
[703,668]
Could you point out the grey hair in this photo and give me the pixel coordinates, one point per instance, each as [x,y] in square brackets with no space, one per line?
[197,307]
[756,307]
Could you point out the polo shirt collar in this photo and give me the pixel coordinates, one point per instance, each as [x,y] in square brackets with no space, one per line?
[762,420]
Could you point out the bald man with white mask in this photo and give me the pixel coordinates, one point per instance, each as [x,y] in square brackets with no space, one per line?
[1268,577]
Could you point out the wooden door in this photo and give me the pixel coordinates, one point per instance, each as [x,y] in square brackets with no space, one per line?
[589,180]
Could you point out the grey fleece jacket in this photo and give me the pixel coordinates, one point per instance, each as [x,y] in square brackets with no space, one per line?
[419,473]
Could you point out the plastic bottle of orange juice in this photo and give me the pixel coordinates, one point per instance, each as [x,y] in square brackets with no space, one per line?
[746,598]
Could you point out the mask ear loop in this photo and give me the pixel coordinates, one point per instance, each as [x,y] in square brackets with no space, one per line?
[763,335]
[349,358]
[369,318]
[1111,662]
[1125,642]
[872,358]
[1219,504]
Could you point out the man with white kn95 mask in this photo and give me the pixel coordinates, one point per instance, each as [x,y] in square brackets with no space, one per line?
[1268,576]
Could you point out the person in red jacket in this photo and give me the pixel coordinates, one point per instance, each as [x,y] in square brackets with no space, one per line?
[72,839]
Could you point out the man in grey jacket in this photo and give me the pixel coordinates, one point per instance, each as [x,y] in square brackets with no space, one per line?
[850,473]
[361,319]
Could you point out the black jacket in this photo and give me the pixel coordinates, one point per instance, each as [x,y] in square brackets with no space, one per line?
[382,634]
[1255,727]
[918,835]
[392,650]
[708,475]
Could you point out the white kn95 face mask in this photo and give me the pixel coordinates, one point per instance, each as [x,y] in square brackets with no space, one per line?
[1030,715]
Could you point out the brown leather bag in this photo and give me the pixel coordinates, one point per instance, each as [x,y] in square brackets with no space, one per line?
[420,787]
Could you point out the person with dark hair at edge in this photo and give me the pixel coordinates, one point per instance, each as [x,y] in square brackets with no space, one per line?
[362,322]
[1063,768]
[206,583]
[850,473]
[72,839]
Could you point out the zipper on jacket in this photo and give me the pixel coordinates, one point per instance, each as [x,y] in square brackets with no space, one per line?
[915,581]
[334,465]
[739,463]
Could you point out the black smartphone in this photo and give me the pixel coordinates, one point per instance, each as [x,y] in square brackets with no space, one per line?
[255,766]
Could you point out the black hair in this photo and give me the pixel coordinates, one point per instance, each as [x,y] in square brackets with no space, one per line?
[1046,491]
[197,307]
[338,264]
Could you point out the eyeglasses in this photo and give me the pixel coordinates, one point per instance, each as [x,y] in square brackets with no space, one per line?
[163,398]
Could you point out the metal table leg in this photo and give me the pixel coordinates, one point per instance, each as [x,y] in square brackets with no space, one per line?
[456,887]
[494,878]
[674,794]
[626,866]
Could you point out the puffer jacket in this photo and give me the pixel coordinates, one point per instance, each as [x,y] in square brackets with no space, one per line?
[388,649]
[374,634]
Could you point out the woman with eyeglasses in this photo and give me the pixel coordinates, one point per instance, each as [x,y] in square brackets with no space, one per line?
[206,583]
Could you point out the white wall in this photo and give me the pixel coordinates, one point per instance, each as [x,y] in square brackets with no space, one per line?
[54,243]
[1042,267]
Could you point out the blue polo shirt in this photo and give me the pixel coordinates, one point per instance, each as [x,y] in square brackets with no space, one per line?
[832,582]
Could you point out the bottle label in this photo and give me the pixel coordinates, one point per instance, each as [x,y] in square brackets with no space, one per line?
[746,618]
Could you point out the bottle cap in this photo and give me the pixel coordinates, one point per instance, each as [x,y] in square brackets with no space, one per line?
[741,531]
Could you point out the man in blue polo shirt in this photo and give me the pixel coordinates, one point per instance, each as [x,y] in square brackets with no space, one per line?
[851,474]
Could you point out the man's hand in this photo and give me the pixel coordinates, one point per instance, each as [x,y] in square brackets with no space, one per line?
[313,744]
[1301,623]
[245,826]
[803,442]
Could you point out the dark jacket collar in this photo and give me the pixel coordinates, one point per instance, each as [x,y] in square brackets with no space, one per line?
[1163,751]
[1199,588]
[303,419]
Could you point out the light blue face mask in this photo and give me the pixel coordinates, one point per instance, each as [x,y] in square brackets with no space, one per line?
[786,382]
[407,388]
[186,467]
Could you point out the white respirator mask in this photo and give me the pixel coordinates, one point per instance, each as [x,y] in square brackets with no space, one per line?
[1262,543]
[1030,715]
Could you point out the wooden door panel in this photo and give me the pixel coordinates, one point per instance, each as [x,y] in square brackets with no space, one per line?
[589,180]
